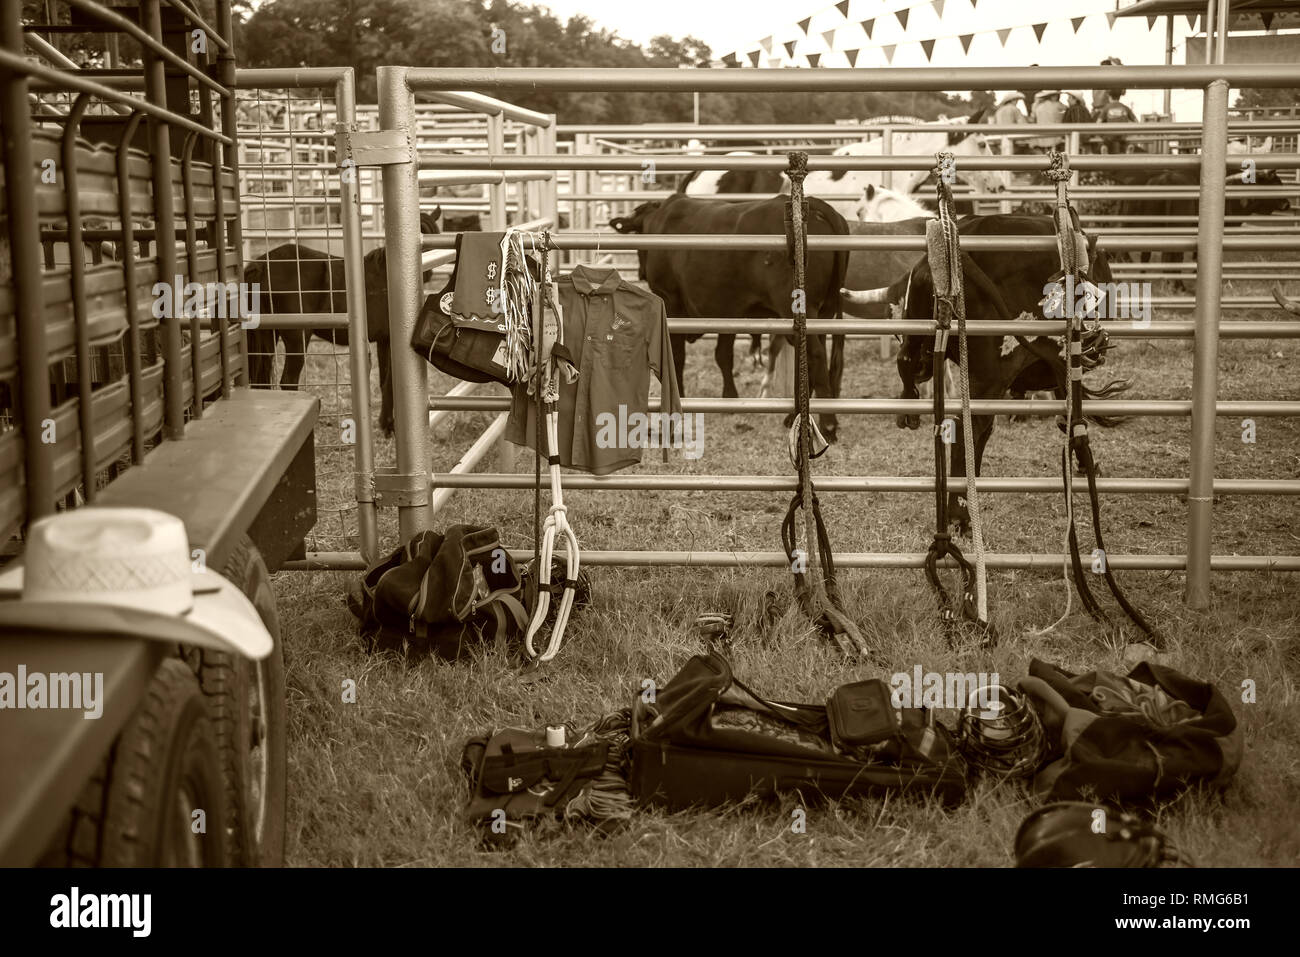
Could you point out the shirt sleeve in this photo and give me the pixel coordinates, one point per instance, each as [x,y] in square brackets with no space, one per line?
[660,349]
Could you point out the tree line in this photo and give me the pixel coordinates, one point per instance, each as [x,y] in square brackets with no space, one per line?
[366,34]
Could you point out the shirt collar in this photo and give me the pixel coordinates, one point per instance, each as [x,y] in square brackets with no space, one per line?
[588,279]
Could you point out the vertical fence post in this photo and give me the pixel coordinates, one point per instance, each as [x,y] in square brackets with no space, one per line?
[402,239]
[358,327]
[551,193]
[155,85]
[887,149]
[29,300]
[1205,371]
[496,144]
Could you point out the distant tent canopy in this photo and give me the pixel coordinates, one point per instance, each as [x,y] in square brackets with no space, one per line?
[1243,15]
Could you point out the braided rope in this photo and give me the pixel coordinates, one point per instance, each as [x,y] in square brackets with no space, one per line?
[948,223]
[1059,173]
[816,595]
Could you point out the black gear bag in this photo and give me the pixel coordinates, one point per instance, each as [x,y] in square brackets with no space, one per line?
[706,739]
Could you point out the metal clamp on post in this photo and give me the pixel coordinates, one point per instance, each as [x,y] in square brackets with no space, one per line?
[371,148]
[390,488]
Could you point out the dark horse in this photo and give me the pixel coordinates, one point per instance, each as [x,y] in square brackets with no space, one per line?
[299,279]
[742,284]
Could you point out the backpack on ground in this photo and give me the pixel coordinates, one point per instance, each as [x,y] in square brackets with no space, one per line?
[443,592]
[1135,738]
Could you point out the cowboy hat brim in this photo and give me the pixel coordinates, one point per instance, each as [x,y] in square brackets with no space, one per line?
[221,617]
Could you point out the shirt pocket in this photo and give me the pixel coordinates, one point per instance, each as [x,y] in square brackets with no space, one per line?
[626,342]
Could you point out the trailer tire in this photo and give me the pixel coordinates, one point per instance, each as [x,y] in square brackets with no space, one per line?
[164,770]
[251,735]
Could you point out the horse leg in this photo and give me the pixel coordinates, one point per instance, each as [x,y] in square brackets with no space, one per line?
[679,360]
[819,372]
[958,510]
[724,353]
[295,358]
[756,350]
[385,387]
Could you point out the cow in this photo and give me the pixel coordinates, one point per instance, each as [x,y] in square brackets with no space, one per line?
[742,284]
[997,285]
[1189,206]
[298,279]
[707,182]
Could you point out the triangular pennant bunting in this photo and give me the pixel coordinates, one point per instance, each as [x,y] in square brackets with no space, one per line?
[1268,20]
[767,44]
[966,38]
[938,8]
[730,59]
[753,57]
[829,37]
[902,18]
[928,47]
[1191,20]
[889,52]
[973,4]
[1151,22]
[843,8]
[1003,34]
[803,25]
[813,58]
[1076,23]
[789,47]
[774,61]
[1110,19]
[866,27]
[853,57]
[1039,28]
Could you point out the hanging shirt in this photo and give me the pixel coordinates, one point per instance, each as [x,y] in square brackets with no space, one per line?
[617,334]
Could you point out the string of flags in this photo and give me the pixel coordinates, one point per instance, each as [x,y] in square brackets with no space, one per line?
[769,48]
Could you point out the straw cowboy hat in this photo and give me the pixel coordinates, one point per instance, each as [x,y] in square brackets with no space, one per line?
[126,571]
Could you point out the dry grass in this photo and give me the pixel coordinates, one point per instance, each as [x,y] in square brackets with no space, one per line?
[377,782]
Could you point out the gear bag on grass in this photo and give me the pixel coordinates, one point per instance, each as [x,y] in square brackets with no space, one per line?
[1137,738]
[443,592]
[707,739]
[514,772]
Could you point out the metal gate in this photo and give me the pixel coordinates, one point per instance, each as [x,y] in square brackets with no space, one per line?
[398,85]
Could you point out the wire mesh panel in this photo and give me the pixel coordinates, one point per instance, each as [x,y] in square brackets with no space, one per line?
[291,197]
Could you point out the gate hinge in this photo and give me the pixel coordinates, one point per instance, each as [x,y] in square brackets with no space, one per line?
[394,489]
[372,147]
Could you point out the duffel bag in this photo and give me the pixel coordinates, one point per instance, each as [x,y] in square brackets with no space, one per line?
[443,592]
[1136,738]
[706,739]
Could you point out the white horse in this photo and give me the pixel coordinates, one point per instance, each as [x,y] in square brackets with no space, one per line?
[829,183]
[880,205]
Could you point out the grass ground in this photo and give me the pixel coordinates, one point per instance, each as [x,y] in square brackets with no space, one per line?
[377,782]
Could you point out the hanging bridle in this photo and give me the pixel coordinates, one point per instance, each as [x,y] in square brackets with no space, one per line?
[943,247]
[817,589]
[1072,247]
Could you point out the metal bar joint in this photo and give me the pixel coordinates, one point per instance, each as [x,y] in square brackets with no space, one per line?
[372,148]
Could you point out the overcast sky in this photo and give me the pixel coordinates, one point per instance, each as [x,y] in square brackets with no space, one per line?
[739,25]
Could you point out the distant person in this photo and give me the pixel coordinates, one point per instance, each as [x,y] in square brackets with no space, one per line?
[1107,108]
[1048,109]
[1008,113]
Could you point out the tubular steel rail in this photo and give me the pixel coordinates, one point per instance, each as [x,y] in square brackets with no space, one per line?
[397,88]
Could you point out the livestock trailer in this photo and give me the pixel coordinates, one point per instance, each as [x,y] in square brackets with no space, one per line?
[121,184]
